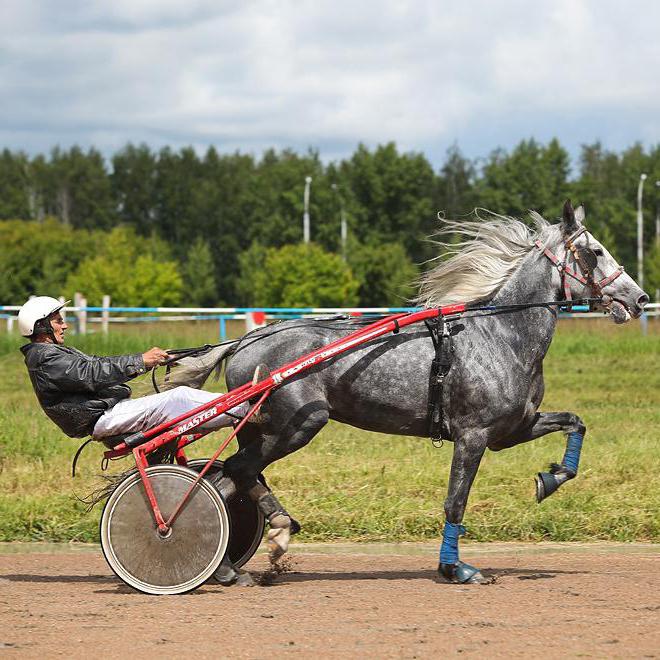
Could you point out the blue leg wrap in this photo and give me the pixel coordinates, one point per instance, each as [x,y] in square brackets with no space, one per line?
[449,548]
[571,458]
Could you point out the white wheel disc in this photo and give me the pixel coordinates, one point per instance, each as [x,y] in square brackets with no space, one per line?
[183,559]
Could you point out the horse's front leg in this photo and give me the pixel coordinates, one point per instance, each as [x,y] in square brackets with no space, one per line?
[468,450]
[550,422]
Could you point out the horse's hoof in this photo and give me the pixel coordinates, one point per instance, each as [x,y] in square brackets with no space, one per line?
[546,485]
[244,579]
[226,574]
[548,482]
[295,526]
[461,573]
[278,542]
[227,578]
[275,552]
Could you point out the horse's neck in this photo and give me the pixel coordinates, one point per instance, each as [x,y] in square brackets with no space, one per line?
[534,281]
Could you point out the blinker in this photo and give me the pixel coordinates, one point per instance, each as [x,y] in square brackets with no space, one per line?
[587,258]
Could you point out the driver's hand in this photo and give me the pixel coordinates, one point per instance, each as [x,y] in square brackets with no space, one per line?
[154,356]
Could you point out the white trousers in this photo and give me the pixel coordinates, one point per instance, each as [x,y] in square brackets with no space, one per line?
[133,415]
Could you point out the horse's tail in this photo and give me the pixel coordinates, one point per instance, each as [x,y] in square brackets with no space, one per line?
[194,370]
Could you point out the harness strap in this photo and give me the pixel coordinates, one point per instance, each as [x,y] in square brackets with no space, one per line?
[575,234]
[439,369]
[610,278]
[561,267]
[567,285]
[586,277]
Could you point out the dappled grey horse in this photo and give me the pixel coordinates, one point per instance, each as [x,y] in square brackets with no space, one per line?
[492,391]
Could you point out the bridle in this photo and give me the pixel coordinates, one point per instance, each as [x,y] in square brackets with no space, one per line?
[587,261]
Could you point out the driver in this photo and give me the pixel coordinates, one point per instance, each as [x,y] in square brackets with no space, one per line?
[87,395]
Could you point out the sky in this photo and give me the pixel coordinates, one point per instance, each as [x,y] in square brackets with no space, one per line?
[250,75]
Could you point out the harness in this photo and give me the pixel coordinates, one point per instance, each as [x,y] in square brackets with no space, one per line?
[440,366]
[587,261]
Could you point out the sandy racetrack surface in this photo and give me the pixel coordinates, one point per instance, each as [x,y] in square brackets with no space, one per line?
[598,602]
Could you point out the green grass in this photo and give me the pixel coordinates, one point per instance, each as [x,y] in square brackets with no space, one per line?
[351,484]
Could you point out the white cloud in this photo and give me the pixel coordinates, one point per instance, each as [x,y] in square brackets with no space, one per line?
[251,75]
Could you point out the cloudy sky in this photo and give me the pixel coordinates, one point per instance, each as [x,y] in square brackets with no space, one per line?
[254,74]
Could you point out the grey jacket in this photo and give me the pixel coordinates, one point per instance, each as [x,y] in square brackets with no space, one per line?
[75,389]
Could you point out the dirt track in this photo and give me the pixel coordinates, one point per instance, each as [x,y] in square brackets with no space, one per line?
[598,602]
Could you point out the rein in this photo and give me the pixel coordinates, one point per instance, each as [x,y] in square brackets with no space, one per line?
[179,353]
[586,260]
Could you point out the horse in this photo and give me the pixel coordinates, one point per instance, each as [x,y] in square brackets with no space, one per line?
[493,388]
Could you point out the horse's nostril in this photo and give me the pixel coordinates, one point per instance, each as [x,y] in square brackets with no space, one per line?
[642,300]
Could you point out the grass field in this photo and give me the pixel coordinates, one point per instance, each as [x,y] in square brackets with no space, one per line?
[351,484]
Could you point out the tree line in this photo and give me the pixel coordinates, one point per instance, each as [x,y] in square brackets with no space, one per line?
[167,227]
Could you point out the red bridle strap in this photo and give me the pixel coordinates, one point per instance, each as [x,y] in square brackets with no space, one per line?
[585,277]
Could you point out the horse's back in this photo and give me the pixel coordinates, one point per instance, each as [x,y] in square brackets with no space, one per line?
[380,386]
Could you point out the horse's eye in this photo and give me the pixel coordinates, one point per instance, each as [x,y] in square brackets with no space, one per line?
[598,252]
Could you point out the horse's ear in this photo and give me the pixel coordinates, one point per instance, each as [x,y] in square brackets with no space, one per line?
[579,214]
[568,218]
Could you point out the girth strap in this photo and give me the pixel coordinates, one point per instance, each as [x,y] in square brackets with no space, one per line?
[439,369]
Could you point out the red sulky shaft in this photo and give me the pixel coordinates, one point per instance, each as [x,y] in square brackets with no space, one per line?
[173,428]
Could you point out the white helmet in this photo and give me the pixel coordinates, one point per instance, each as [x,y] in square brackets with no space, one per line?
[36,309]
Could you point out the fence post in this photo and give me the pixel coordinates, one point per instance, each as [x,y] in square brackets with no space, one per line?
[62,300]
[10,324]
[83,316]
[105,314]
[223,328]
[76,303]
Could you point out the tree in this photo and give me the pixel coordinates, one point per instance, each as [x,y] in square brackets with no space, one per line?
[385,273]
[178,201]
[393,196]
[531,177]
[455,185]
[14,186]
[38,257]
[278,186]
[301,275]
[177,176]
[199,275]
[608,186]
[133,183]
[126,269]
[221,210]
[79,189]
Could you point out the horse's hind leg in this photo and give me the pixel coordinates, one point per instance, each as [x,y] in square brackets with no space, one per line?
[468,450]
[549,422]
[282,524]
[295,416]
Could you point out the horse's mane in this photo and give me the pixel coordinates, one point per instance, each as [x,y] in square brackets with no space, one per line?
[488,251]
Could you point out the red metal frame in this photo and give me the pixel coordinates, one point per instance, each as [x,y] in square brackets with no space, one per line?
[182,428]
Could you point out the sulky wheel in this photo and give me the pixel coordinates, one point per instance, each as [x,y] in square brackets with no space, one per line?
[247,521]
[179,561]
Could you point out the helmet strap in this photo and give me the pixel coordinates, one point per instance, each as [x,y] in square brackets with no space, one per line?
[44,327]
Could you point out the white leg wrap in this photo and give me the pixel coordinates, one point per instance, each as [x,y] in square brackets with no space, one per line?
[279,536]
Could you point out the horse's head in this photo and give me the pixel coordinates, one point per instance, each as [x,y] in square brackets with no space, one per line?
[590,271]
